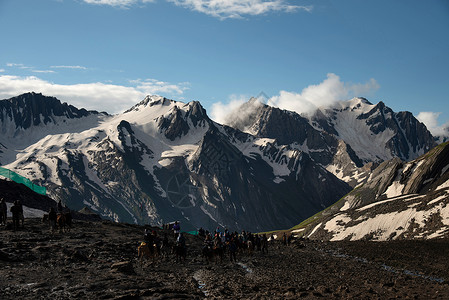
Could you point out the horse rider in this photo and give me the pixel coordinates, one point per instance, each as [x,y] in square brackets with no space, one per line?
[148,237]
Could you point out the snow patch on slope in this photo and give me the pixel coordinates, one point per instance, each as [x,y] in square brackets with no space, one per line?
[364,142]
[28,212]
[390,225]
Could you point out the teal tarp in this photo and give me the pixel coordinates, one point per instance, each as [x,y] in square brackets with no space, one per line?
[20,179]
[191,232]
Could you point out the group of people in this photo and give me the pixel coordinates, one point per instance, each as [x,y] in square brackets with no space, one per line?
[18,217]
[151,238]
[16,212]
[53,216]
[287,239]
[157,246]
[222,242]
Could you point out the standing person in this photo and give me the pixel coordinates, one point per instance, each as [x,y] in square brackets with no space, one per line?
[258,242]
[15,211]
[289,239]
[59,207]
[3,211]
[201,232]
[52,219]
[264,242]
[176,229]
[180,248]
[233,250]
[165,241]
[21,216]
[181,241]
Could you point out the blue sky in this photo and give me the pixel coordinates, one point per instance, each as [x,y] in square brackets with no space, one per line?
[108,54]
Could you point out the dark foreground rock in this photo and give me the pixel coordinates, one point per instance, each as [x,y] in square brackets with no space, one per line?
[98,260]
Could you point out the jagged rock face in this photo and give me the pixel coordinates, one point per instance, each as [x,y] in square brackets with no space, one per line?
[178,122]
[427,173]
[33,109]
[395,178]
[347,139]
[395,134]
[410,136]
[347,166]
[164,160]
[247,191]
[174,126]
[400,200]
[289,128]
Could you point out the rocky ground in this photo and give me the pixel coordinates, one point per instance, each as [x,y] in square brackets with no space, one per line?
[98,260]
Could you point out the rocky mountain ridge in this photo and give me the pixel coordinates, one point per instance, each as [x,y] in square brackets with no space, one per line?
[349,138]
[400,200]
[164,160]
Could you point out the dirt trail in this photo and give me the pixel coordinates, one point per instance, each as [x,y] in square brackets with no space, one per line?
[97,260]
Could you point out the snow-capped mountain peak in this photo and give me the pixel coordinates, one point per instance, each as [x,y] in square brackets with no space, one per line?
[164,160]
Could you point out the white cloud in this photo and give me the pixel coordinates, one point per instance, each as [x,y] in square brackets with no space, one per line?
[154,86]
[430,119]
[324,94]
[224,9]
[69,67]
[22,66]
[221,112]
[96,96]
[118,3]
[14,65]
[43,71]
[2,70]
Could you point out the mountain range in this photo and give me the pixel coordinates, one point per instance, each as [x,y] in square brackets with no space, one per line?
[164,160]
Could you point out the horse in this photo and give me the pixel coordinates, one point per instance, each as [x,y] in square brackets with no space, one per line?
[180,252]
[164,251]
[144,250]
[64,221]
[61,222]
[218,250]
[210,252]
[68,219]
[207,253]
[250,248]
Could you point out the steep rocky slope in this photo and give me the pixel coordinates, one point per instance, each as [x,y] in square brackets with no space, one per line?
[400,200]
